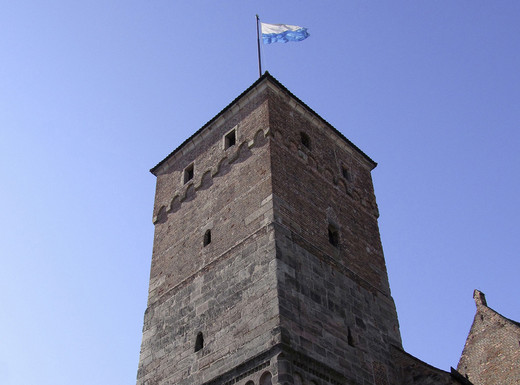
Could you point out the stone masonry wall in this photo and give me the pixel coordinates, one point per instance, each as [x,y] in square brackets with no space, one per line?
[267,264]
[311,181]
[225,290]
[234,305]
[335,301]
[215,199]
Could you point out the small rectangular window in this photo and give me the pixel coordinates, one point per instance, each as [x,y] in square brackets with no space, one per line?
[230,139]
[188,173]
[306,141]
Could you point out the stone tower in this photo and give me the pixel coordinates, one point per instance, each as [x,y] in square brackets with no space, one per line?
[267,263]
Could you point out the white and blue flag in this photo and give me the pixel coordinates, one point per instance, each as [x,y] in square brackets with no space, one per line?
[282,33]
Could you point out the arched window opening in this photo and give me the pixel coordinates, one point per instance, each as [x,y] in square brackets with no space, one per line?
[207,238]
[199,342]
[266,379]
[333,236]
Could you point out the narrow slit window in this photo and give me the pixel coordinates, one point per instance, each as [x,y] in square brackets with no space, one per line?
[333,236]
[207,238]
[199,342]
[188,173]
[230,139]
[306,141]
[350,338]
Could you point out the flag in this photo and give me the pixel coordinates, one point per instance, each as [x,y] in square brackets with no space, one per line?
[282,33]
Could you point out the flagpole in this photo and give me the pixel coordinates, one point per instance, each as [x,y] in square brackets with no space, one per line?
[258,44]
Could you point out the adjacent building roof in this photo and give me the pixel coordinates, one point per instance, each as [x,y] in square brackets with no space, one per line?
[491,354]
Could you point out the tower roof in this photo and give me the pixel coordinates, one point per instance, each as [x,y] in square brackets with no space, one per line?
[266,77]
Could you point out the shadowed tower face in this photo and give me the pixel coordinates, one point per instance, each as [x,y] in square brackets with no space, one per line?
[267,264]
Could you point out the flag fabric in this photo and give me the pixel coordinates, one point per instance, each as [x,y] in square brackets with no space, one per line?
[282,33]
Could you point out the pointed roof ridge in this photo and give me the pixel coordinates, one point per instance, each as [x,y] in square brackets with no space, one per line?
[479,297]
[480,301]
[509,320]
[265,76]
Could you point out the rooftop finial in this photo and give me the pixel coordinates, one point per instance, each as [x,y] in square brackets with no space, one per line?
[479,297]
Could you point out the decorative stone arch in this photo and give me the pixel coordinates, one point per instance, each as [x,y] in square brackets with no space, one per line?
[189,194]
[206,181]
[266,378]
[292,145]
[311,161]
[223,167]
[259,138]
[328,174]
[277,135]
[332,216]
[175,204]
[342,186]
[346,173]
[161,216]
[243,153]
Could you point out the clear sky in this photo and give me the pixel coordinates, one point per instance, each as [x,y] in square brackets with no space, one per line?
[95,93]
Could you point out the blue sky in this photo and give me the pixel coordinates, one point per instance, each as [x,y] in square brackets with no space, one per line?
[93,94]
